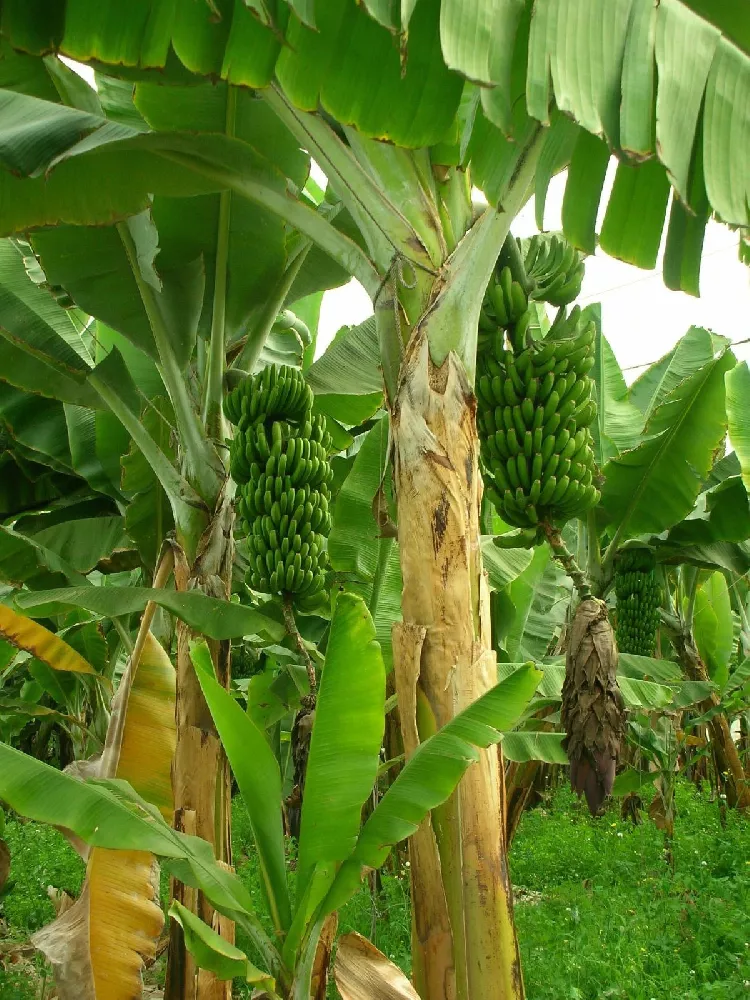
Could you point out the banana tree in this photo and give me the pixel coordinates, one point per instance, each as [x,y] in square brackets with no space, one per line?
[334,848]
[670,494]
[418,247]
[157,354]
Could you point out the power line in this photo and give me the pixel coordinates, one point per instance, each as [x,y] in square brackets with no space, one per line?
[650,276]
[647,364]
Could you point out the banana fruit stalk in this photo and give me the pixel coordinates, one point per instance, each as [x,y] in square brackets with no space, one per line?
[534,408]
[638,599]
[279,460]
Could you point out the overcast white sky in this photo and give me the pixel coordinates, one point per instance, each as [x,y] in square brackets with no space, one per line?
[641,318]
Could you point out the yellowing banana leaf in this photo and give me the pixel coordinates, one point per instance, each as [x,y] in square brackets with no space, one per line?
[97,947]
[34,638]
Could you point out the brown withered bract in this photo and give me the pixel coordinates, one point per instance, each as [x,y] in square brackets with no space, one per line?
[592,709]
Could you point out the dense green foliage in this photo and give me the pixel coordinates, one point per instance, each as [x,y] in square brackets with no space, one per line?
[600,913]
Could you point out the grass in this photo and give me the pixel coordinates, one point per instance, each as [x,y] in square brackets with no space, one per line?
[599,912]
[613,922]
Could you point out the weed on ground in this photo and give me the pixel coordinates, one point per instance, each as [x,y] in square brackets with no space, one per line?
[600,913]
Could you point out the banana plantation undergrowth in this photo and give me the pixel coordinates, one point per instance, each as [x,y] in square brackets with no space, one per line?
[600,912]
[311,652]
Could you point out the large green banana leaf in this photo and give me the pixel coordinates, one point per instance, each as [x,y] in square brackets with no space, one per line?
[350,367]
[738,412]
[666,82]
[359,550]
[431,774]
[342,767]
[348,728]
[524,746]
[721,514]
[655,485]
[689,354]
[618,423]
[27,561]
[713,627]
[27,485]
[148,515]
[531,607]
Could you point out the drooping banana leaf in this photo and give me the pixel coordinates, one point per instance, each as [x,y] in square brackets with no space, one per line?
[110,814]
[213,952]
[208,615]
[257,772]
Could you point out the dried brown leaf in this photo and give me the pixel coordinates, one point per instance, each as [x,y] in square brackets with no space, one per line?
[364,973]
[592,708]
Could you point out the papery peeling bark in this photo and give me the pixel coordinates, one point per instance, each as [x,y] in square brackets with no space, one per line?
[362,972]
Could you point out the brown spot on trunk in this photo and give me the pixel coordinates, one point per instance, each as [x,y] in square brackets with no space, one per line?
[442,460]
[440,521]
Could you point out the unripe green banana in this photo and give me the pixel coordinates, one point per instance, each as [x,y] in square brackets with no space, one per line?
[281,453]
[534,399]
[523,470]
[560,490]
[550,407]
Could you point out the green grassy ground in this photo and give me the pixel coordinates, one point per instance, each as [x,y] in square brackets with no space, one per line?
[600,914]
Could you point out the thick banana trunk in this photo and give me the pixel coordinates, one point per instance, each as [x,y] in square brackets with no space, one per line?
[200,775]
[464,940]
[724,749]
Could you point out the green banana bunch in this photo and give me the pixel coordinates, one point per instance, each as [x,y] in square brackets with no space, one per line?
[505,306]
[554,267]
[277,391]
[638,598]
[534,408]
[279,460]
